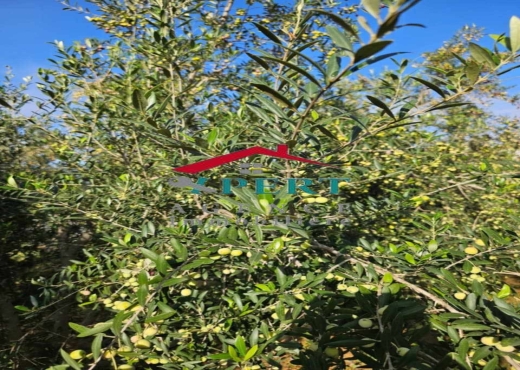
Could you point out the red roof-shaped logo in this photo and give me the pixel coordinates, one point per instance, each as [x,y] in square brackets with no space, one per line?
[280,152]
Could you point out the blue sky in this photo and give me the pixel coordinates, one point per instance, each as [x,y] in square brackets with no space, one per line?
[28,26]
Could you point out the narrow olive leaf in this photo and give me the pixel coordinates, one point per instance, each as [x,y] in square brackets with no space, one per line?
[252,351]
[460,58]
[372,7]
[163,106]
[96,345]
[431,86]
[258,60]
[472,71]
[267,33]
[388,25]
[12,182]
[356,130]
[449,105]
[78,328]
[370,61]
[492,365]
[481,55]
[333,66]
[5,104]
[138,100]
[259,112]
[411,25]
[307,58]
[508,70]
[339,38]
[274,94]
[367,51]
[514,33]
[326,132]
[69,360]
[502,39]
[296,69]
[272,106]
[99,328]
[381,105]
[408,6]
[364,23]
[150,102]
[339,21]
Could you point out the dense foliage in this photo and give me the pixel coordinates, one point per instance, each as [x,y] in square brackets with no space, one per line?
[407,261]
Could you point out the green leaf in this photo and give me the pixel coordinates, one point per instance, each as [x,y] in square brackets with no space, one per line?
[78,328]
[356,130]
[481,55]
[504,292]
[280,276]
[514,33]
[12,182]
[448,105]
[240,343]
[409,258]
[295,68]
[388,25]
[326,132]
[118,321]
[5,104]
[274,94]
[472,71]
[491,365]
[181,252]
[99,328]
[267,33]
[163,106]
[431,86]
[142,294]
[22,308]
[233,353]
[197,263]
[150,102]
[149,254]
[367,51]
[172,282]
[259,112]
[502,39]
[339,38]
[470,326]
[252,351]
[96,346]
[381,105]
[306,57]
[471,301]
[333,67]
[338,20]
[372,7]
[508,70]
[480,353]
[162,265]
[259,60]
[459,58]
[138,100]
[364,23]
[388,278]
[69,360]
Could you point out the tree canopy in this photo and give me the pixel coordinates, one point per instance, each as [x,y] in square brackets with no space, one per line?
[400,253]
